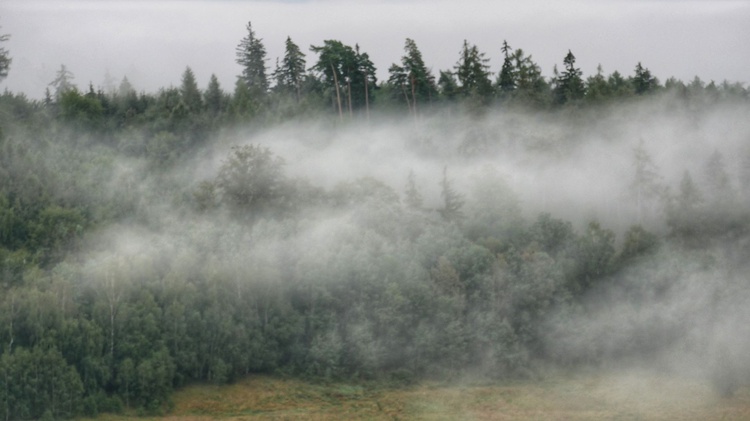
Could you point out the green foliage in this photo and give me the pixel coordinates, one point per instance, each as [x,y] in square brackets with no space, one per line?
[506,79]
[5,59]
[290,74]
[473,74]
[531,90]
[251,55]
[642,81]
[452,200]
[349,74]
[569,86]
[251,182]
[123,275]
[189,92]
[82,111]
[37,383]
[412,82]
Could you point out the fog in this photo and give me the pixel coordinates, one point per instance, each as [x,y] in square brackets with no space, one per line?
[331,273]
[680,312]
[579,166]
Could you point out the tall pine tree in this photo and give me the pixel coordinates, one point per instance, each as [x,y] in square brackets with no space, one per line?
[251,55]
[569,84]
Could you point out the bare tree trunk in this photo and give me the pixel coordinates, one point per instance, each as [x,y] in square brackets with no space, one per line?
[349,96]
[406,96]
[113,297]
[414,98]
[367,98]
[12,316]
[338,94]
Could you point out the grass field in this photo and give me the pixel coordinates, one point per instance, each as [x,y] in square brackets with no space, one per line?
[634,395]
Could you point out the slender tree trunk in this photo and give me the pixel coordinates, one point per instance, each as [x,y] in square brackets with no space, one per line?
[414,98]
[367,98]
[406,96]
[349,96]
[338,94]
[113,296]
[12,316]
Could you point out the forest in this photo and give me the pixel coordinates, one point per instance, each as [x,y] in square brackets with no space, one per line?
[315,222]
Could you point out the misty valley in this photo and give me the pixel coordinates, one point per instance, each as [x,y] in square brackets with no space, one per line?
[318,225]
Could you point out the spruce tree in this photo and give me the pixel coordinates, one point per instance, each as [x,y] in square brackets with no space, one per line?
[643,82]
[569,84]
[412,81]
[189,91]
[214,97]
[413,198]
[452,200]
[290,72]
[473,73]
[531,88]
[506,81]
[251,55]
[63,82]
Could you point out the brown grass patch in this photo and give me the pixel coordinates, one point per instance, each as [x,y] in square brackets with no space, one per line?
[634,395]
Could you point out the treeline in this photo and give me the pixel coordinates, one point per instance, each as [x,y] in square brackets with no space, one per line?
[122,278]
[342,82]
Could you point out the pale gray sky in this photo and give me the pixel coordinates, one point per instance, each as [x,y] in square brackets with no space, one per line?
[151,42]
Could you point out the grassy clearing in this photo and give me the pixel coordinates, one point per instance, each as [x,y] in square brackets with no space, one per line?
[634,395]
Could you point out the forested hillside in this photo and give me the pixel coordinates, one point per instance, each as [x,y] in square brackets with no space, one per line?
[314,221]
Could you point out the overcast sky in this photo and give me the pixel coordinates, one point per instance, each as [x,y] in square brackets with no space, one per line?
[151,42]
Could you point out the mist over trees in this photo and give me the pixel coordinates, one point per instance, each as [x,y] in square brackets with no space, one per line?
[314,221]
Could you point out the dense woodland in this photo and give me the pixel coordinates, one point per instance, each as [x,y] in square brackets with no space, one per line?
[147,240]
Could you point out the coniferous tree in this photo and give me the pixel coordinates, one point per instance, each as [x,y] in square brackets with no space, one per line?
[646,186]
[412,81]
[618,85]
[643,82]
[506,80]
[349,72]
[242,105]
[251,55]
[447,85]
[531,88]
[597,88]
[214,97]
[413,198]
[291,72]
[684,213]
[125,89]
[473,73]
[332,56]
[5,59]
[569,84]
[63,82]
[718,185]
[452,200]
[189,91]
[363,81]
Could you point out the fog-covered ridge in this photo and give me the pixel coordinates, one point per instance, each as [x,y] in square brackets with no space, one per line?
[464,243]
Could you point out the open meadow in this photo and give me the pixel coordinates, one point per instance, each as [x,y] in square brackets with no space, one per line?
[633,395]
